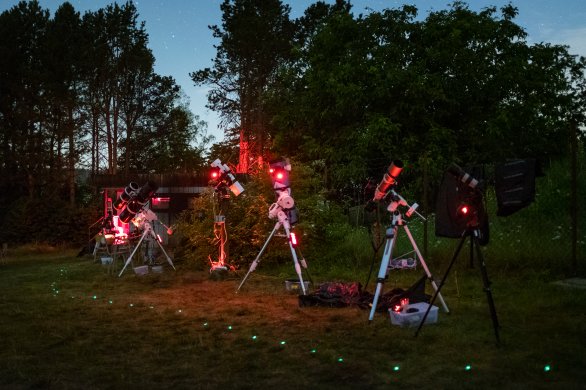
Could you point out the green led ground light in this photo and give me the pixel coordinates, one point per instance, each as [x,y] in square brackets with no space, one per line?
[396,367]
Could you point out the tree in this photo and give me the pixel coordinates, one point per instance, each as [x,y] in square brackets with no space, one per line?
[63,113]
[170,144]
[119,66]
[71,87]
[255,40]
[22,32]
[457,86]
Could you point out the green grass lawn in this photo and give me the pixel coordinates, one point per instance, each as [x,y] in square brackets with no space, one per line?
[66,323]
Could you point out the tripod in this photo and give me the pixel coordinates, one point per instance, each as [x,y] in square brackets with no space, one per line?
[472,231]
[391,237]
[277,211]
[149,234]
[220,233]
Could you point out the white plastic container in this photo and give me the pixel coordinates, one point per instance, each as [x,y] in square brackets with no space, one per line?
[142,270]
[414,318]
[107,260]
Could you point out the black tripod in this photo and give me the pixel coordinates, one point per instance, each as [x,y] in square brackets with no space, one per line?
[472,231]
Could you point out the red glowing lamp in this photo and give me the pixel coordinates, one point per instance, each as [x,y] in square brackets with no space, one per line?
[464,210]
[293,238]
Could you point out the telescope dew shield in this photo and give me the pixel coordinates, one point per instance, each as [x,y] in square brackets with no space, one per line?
[137,200]
[146,192]
[130,211]
[463,176]
[126,195]
[389,179]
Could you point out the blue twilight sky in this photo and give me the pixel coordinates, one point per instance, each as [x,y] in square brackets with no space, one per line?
[181,41]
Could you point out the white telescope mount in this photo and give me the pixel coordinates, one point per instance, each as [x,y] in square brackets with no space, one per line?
[392,231]
[278,211]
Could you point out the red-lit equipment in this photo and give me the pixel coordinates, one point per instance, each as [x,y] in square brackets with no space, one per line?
[293,239]
[389,179]
[463,210]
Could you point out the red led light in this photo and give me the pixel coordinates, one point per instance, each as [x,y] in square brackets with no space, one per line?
[397,308]
[280,175]
[464,210]
[271,170]
[293,239]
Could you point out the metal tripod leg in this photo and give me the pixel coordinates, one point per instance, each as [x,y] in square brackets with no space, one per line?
[257,260]
[295,260]
[486,283]
[382,273]
[304,264]
[163,249]
[424,265]
[460,244]
[133,252]
[484,279]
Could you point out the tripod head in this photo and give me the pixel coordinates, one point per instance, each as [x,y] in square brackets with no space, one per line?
[283,208]
[397,200]
[279,170]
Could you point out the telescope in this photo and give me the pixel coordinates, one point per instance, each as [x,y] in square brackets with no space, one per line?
[127,195]
[464,177]
[225,177]
[389,179]
[133,199]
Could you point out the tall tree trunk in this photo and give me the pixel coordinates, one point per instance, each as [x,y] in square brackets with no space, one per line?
[109,137]
[244,155]
[71,158]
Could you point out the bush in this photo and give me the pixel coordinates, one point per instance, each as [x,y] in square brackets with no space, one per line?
[50,221]
[534,238]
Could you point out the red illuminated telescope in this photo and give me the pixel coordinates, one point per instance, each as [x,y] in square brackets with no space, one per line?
[389,179]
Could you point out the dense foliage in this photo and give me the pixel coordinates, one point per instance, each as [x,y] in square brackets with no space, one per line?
[339,93]
[78,93]
[357,91]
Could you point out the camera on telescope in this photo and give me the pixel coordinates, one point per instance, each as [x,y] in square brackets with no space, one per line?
[221,177]
[460,204]
[279,170]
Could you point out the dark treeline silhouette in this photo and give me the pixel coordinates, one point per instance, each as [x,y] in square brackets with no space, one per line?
[341,93]
[78,92]
[348,93]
